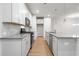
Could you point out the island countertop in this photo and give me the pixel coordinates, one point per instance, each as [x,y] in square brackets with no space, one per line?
[65,37]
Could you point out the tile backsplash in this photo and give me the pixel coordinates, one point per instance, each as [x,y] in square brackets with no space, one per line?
[9,29]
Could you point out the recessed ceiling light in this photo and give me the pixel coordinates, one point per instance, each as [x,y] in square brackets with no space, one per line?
[37,11]
[48,15]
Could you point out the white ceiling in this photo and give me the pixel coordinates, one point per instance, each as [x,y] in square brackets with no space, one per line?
[53,9]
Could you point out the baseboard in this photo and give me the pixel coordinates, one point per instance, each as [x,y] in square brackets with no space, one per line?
[28,52]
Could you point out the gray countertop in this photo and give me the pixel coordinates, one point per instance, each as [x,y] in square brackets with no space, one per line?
[16,36]
[63,37]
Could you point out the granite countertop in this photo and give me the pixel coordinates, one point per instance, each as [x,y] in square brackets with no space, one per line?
[63,37]
[16,36]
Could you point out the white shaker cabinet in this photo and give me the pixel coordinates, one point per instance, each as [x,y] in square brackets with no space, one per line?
[28,43]
[67,47]
[1,11]
[5,9]
[15,46]
[55,46]
[22,12]
[64,46]
[11,47]
[15,12]
[19,13]
[25,45]
[0,48]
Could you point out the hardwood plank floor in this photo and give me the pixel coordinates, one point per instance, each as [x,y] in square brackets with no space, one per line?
[40,48]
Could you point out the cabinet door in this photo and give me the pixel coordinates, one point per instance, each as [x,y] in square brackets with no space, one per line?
[15,12]
[24,47]
[27,47]
[28,43]
[55,46]
[29,40]
[0,48]
[67,47]
[22,11]
[11,47]
[1,11]
[6,12]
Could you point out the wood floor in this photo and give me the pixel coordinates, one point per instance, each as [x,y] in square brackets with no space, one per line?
[40,48]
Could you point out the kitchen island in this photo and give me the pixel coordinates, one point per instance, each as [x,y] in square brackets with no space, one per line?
[62,45]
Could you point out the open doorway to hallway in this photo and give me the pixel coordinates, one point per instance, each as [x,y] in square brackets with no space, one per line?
[40,29]
[40,26]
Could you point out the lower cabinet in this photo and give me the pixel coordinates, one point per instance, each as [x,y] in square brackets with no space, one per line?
[55,46]
[15,47]
[11,47]
[25,46]
[65,46]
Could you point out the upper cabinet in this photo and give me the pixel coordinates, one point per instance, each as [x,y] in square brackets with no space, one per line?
[14,13]
[19,12]
[22,13]
[5,12]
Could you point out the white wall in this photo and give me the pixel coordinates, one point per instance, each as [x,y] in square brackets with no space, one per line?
[64,27]
[47,25]
[34,27]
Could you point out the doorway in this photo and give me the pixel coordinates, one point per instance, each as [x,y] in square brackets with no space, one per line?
[40,29]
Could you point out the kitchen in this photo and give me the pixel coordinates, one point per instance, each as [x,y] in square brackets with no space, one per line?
[18,29]
[22,23]
[13,35]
